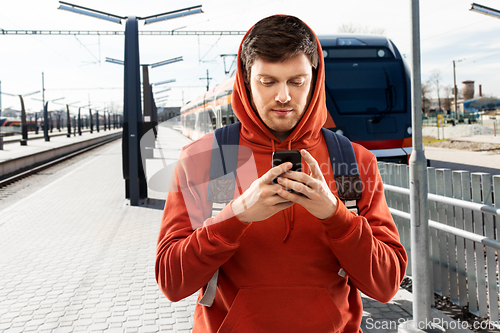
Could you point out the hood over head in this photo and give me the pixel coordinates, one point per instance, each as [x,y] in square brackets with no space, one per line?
[305,134]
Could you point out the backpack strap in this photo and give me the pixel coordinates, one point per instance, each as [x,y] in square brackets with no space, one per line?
[221,184]
[223,163]
[345,169]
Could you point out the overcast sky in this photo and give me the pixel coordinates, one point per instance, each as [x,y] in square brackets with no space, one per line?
[75,67]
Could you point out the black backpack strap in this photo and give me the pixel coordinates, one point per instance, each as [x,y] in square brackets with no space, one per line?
[221,184]
[223,163]
[345,169]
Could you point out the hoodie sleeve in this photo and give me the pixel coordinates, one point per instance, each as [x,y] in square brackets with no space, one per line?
[190,246]
[368,246]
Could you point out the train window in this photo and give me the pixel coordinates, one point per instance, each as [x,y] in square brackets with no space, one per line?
[206,121]
[213,120]
[357,53]
[224,121]
[366,86]
[231,120]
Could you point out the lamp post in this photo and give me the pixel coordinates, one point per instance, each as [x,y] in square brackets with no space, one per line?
[132,122]
[97,120]
[46,113]
[79,123]
[91,122]
[485,10]
[24,125]
[149,108]
[419,206]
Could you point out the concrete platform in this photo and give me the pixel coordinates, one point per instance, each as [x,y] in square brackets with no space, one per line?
[14,139]
[76,258]
[15,157]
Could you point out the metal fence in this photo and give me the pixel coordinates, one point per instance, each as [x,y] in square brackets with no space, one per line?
[449,119]
[464,235]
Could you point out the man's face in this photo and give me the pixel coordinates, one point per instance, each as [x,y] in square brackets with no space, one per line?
[281,92]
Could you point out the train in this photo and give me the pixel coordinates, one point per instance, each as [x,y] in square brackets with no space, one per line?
[12,125]
[368,97]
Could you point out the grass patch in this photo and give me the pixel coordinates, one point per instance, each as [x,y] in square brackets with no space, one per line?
[428,140]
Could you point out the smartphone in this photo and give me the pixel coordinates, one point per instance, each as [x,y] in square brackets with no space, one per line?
[282,156]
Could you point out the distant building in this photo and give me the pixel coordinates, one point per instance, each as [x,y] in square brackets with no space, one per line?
[468,89]
[481,104]
[470,105]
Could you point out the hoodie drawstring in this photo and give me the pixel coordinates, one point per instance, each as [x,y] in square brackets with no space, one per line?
[288,217]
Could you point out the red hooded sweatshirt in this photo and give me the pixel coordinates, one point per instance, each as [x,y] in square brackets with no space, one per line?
[291,272]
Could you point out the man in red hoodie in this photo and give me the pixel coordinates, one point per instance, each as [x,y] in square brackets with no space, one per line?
[286,261]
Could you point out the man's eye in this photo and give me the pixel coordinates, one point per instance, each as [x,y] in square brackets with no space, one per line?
[267,83]
[297,83]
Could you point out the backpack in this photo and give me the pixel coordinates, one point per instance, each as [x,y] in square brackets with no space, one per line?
[223,178]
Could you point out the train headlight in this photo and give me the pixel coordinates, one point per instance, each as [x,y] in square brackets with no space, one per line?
[409,130]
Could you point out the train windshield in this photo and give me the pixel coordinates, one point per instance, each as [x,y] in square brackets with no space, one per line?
[366,86]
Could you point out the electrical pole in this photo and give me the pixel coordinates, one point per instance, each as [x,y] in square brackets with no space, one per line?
[455,88]
[43,91]
[455,91]
[208,78]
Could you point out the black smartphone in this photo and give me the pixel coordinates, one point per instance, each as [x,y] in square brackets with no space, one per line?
[282,156]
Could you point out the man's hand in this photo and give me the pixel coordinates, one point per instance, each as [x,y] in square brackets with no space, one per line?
[313,192]
[260,201]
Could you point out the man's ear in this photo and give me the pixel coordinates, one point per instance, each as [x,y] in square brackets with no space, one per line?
[246,79]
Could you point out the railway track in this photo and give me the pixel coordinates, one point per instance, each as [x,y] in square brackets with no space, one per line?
[12,178]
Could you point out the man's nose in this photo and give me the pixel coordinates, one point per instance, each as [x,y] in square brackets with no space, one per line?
[283,95]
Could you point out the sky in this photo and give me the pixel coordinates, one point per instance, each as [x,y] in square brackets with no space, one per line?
[74,67]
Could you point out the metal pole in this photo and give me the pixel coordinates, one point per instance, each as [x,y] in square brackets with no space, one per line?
[97,121]
[24,126]
[104,119]
[455,92]
[91,122]
[79,123]
[43,90]
[46,122]
[419,206]
[68,121]
[132,111]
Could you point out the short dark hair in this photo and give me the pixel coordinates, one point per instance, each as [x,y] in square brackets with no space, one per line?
[278,38]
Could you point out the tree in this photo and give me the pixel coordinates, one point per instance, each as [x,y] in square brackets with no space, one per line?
[435,80]
[426,88]
[447,100]
[350,28]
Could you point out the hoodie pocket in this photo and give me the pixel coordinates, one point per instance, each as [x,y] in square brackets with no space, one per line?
[282,309]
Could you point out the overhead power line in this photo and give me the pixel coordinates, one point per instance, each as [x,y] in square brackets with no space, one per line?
[118,33]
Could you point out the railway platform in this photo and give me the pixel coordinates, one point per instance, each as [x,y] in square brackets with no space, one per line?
[14,157]
[75,257]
